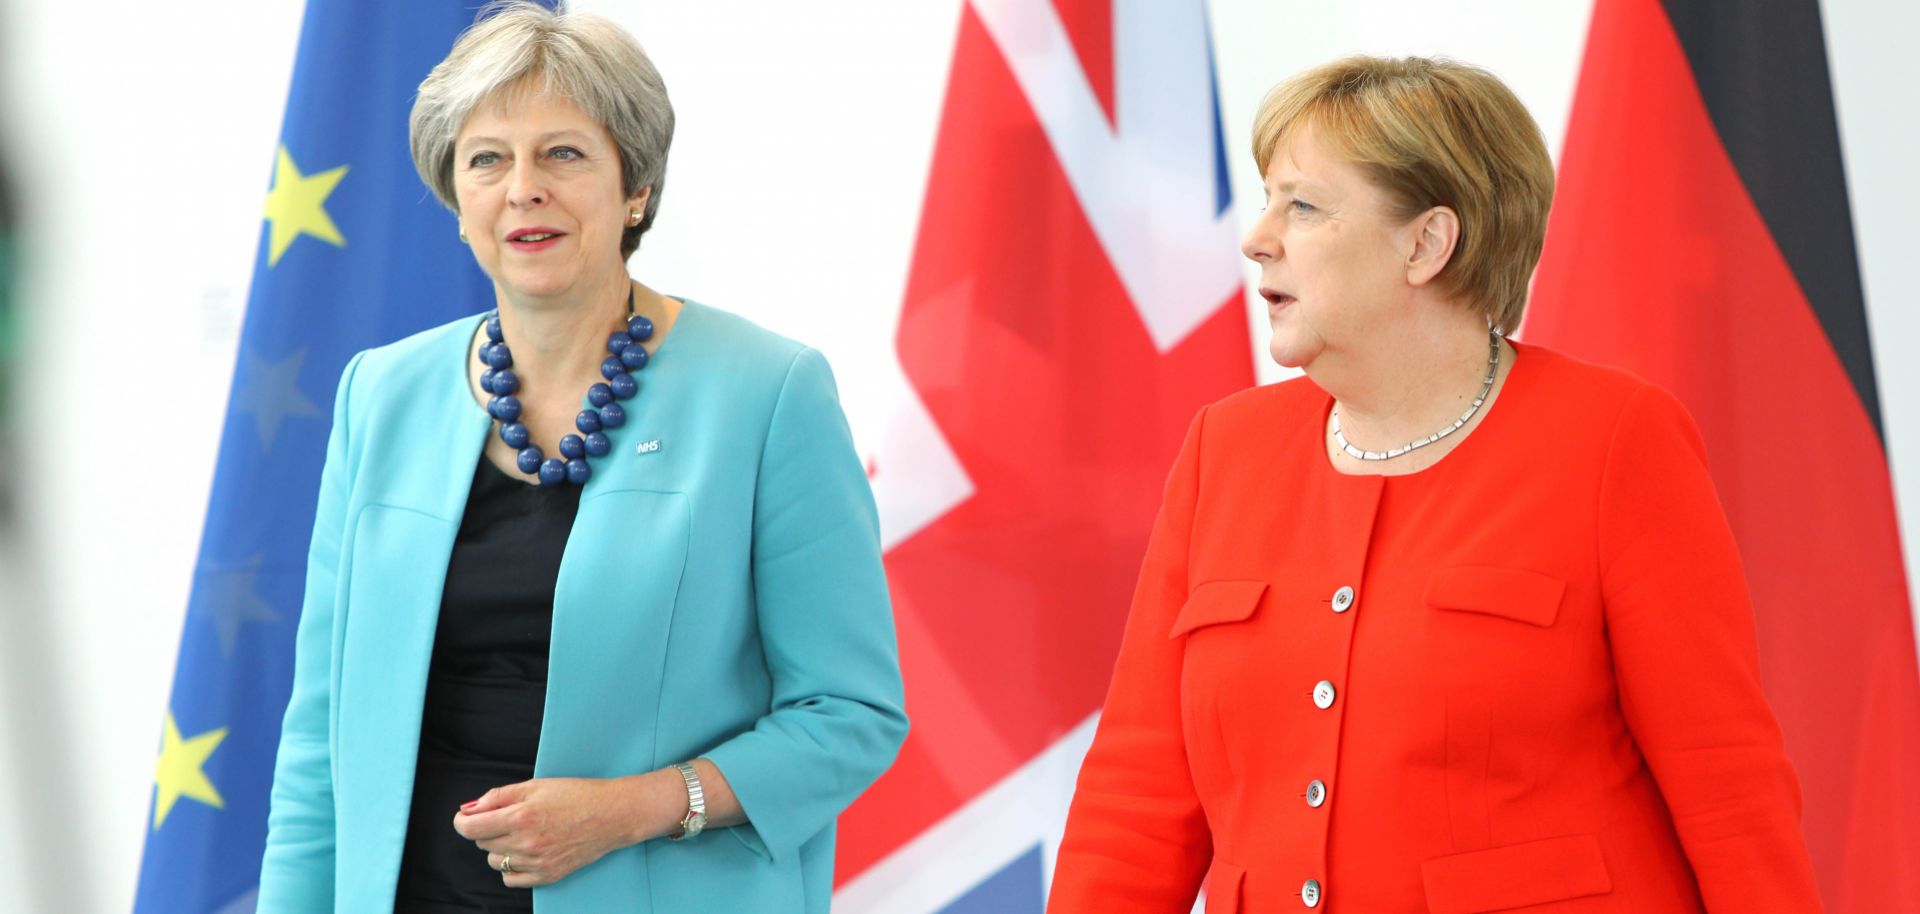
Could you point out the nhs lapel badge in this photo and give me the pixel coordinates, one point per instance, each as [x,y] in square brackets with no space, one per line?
[649,446]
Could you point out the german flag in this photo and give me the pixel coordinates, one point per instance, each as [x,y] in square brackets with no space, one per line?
[1702,238]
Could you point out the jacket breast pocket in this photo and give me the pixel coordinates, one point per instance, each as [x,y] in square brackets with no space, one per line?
[1503,648]
[1216,603]
[1509,593]
[1222,663]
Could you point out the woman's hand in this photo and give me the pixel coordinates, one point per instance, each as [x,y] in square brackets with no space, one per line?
[548,827]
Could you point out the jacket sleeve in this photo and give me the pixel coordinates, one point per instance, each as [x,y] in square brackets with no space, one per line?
[1687,661]
[1137,839]
[826,624]
[297,870]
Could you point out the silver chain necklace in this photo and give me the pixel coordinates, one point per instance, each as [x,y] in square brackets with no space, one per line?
[1486,387]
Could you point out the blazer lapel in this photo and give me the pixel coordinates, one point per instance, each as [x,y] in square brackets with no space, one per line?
[402,539]
[613,613]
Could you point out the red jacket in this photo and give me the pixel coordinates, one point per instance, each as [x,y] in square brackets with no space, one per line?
[1524,679]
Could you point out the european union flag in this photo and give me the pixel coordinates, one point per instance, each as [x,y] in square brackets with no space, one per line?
[354,253]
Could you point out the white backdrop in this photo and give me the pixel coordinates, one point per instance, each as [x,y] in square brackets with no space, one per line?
[142,137]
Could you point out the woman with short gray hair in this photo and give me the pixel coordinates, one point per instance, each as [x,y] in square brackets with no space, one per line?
[676,628]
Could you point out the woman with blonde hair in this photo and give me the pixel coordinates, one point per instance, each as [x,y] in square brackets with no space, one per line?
[1451,624]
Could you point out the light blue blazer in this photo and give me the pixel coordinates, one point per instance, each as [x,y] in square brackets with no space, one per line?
[721,595]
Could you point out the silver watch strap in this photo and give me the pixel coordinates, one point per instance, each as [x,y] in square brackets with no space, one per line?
[696,818]
[696,794]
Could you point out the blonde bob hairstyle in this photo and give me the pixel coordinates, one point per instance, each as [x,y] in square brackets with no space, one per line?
[588,60]
[1432,133]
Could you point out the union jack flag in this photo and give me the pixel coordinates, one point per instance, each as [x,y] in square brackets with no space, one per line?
[1074,297]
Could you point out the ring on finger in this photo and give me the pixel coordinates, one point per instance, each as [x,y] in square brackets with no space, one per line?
[506,864]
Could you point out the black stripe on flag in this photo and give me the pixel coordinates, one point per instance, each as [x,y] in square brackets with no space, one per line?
[1761,66]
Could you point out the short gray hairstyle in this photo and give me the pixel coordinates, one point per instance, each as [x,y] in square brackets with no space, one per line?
[586,59]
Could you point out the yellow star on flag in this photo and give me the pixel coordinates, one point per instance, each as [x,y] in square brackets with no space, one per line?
[295,206]
[178,773]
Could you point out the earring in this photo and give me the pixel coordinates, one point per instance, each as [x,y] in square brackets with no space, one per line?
[463,235]
[633,219]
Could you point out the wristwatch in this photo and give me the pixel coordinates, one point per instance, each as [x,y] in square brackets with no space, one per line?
[696,817]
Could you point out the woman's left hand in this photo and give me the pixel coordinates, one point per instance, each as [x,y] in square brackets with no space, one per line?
[547,827]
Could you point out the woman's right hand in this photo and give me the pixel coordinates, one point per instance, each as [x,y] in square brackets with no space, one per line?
[549,827]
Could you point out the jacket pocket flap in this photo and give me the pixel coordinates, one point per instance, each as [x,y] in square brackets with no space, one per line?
[1515,876]
[1218,601]
[1515,593]
[1223,887]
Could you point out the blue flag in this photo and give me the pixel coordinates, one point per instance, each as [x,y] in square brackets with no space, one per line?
[354,252]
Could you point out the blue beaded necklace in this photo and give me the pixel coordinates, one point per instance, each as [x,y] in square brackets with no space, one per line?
[627,355]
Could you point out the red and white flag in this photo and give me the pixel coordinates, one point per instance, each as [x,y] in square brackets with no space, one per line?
[1075,296]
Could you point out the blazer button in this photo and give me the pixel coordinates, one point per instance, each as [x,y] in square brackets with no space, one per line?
[1316,793]
[1310,893]
[1343,599]
[1323,695]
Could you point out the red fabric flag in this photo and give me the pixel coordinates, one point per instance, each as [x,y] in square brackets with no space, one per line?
[1074,298]
[1701,238]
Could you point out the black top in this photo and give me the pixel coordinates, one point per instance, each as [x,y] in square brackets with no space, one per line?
[486,688]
